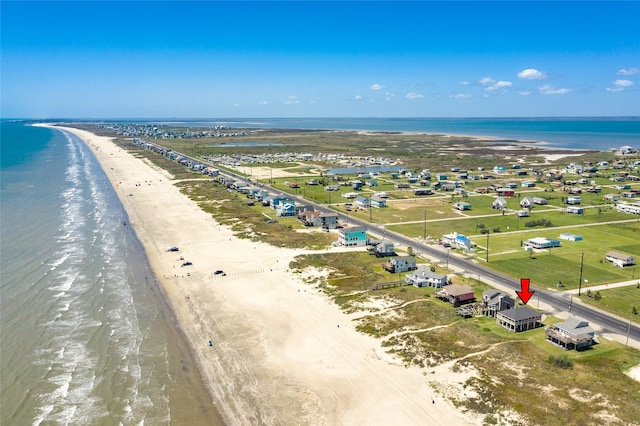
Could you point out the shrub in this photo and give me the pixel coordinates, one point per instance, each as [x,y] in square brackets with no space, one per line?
[561,361]
[539,222]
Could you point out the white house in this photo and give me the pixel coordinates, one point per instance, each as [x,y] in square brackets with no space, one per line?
[423,277]
[620,259]
[499,204]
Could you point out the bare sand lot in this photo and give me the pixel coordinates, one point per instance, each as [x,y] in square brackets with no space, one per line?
[271,349]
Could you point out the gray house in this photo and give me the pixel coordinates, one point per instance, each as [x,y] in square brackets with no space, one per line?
[383,248]
[494,301]
[519,319]
[574,333]
[527,202]
[499,204]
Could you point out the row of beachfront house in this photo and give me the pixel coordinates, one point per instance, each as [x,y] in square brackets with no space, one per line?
[574,333]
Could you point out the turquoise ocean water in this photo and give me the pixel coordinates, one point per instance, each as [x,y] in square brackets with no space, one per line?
[85,336]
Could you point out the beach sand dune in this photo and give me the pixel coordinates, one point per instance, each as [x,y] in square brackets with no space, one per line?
[281,353]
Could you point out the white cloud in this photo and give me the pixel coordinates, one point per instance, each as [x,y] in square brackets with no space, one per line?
[623,83]
[460,96]
[388,96]
[490,84]
[413,95]
[548,89]
[357,97]
[524,93]
[629,71]
[620,85]
[236,105]
[291,100]
[487,81]
[263,103]
[376,87]
[532,74]
[498,85]
[464,83]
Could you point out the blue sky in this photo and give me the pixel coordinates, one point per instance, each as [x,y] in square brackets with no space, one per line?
[319,59]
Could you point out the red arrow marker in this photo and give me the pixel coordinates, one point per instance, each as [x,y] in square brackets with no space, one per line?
[524,294]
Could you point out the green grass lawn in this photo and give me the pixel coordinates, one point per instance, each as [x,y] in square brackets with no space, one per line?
[563,263]
[619,301]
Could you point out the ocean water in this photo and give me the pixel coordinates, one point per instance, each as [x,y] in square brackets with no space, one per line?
[570,133]
[85,335]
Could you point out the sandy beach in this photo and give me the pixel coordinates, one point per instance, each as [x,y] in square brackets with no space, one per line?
[281,353]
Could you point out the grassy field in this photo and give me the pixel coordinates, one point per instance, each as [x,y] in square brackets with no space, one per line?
[619,301]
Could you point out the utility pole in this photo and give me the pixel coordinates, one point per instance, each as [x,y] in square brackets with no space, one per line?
[487,254]
[424,232]
[628,329]
[581,265]
[370,211]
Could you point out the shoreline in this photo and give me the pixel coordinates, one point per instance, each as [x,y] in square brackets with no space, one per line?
[282,352]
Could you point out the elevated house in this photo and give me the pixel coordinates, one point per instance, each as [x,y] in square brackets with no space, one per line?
[620,259]
[505,192]
[574,333]
[354,236]
[456,240]
[423,277]
[309,217]
[542,243]
[612,197]
[573,200]
[575,210]
[362,202]
[519,319]
[499,204]
[329,220]
[494,301]
[456,294]
[631,208]
[540,201]
[570,237]
[400,264]
[378,202]
[382,248]
[462,206]
[448,186]
[285,209]
[276,200]
[422,191]
[316,218]
[527,203]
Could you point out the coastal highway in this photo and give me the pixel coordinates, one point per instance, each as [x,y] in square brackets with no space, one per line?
[557,300]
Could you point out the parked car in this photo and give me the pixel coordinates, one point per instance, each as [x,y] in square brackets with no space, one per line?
[186,264]
[219,272]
